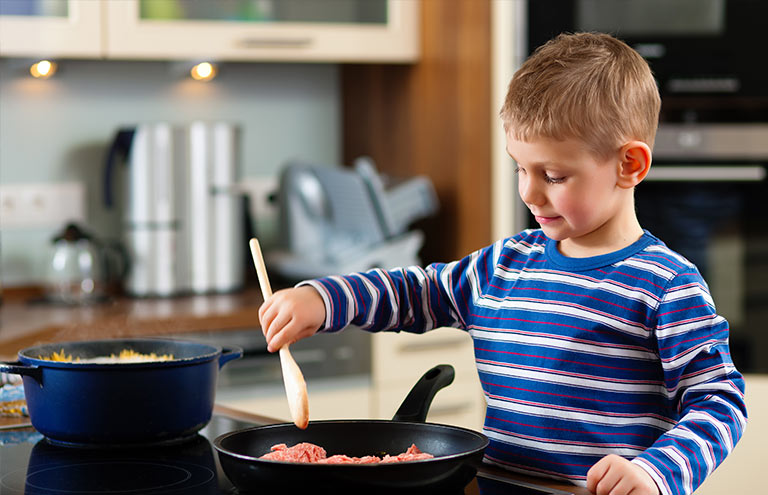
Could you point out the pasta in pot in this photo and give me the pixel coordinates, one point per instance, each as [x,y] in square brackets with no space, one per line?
[125,356]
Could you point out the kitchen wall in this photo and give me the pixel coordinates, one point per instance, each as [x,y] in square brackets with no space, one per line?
[58,130]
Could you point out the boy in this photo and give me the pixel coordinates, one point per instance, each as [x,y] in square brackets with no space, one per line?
[600,354]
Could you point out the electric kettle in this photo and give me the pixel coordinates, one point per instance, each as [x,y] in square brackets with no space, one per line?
[182,208]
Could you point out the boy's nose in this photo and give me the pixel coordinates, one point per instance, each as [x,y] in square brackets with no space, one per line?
[530,192]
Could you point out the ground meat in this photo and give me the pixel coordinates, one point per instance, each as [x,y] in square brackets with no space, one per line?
[308,452]
[412,454]
[345,459]
[301,452]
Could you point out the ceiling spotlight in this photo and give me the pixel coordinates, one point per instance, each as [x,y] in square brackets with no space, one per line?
[204,71]
[43,69]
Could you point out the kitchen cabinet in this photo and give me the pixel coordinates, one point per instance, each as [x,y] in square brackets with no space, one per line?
[245,30]
[399,359]
[40,28]
[284,30]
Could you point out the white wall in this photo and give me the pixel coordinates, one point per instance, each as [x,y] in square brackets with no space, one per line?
[58,130]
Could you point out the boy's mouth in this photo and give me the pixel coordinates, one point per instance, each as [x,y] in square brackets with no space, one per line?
[545,220]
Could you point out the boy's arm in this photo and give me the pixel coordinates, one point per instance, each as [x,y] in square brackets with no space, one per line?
[411,299]
[701,383]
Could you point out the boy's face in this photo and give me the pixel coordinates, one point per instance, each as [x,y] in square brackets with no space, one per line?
[573,195]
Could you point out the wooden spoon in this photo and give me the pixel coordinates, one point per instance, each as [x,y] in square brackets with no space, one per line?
[295,386]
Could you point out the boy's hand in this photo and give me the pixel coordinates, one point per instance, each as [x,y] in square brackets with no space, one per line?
[614,475]
[291,315]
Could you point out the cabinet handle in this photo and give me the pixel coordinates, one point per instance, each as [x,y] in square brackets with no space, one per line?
[428,346]
[273,42]
[671,173]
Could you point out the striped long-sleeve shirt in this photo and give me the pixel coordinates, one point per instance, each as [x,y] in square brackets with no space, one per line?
[578,358]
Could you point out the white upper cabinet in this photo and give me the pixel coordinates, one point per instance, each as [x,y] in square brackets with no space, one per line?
[246,30]
[51,28]
[279,30]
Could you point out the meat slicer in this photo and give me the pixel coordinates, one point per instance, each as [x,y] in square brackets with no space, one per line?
[338,220]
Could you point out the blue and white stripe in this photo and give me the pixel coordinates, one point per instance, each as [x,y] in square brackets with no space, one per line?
[578,357]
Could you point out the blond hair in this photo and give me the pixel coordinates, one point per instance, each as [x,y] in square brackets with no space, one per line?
[587,86]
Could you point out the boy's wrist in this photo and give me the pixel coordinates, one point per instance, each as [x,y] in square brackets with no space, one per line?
[652,473]
[317,286]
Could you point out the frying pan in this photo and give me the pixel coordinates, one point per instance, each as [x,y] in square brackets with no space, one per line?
[458,451]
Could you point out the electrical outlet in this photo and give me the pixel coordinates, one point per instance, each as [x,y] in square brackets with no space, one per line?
[262,191]
[41,205]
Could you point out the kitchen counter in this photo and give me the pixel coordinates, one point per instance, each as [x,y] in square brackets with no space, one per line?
[524,484]
[24,322]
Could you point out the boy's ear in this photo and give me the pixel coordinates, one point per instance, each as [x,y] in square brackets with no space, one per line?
[635,162]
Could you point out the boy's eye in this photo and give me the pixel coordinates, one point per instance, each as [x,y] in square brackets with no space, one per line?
[553,180]
[547,178]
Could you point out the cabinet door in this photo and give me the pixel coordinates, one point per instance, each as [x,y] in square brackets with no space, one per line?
[50,28]
[265,30]
[399,359]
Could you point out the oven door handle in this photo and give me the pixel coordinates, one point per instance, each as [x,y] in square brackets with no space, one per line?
[706,173]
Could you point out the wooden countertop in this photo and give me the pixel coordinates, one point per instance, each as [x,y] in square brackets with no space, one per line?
[24,323]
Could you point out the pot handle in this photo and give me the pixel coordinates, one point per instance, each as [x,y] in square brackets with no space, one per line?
[416,404]
[228,354]
[16,368]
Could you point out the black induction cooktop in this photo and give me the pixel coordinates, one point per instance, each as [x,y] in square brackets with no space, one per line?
[33,466]
[37,467]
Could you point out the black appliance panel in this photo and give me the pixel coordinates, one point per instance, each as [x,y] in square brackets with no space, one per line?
[701,51]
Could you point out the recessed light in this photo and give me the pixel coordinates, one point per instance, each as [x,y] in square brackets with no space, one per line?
[43,69]
[204,71]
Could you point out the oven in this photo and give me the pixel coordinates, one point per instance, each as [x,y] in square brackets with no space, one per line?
[701,51]
[706,197]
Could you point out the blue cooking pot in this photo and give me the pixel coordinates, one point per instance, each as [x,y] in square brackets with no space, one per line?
[121,403]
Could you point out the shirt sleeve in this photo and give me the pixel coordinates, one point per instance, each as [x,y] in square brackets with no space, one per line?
[702,385]
[411,299]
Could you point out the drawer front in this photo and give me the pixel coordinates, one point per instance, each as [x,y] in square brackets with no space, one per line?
[402,357]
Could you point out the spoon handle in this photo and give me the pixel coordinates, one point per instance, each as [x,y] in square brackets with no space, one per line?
[295,386]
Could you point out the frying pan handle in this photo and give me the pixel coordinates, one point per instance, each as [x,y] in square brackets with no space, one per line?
[228,354]
[416,404]
[16,368]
